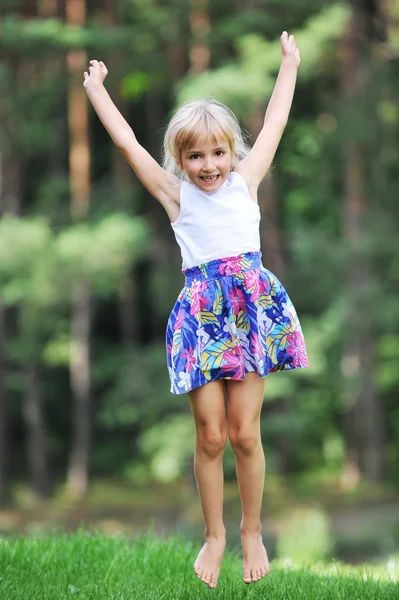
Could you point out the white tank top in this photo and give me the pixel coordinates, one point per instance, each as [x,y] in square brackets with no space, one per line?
[217,224]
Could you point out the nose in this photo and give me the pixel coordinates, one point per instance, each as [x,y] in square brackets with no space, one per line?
[208,163]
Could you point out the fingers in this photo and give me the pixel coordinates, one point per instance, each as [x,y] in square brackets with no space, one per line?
[288,42]
[284,37]
[288,47]
[96,66]
[94,63]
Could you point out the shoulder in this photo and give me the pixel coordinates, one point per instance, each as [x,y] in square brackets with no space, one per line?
[252,189]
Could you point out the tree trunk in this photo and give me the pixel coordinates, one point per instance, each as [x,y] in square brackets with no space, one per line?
[47,9]
[80,382]
[199,53]
[35,432]
[79,164]
[10,202]
[364,426]
[4,410]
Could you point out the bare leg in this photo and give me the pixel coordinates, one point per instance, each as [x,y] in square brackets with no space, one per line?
[207,405]
[245,400]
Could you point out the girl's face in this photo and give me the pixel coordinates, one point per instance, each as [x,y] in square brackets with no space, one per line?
[208,164]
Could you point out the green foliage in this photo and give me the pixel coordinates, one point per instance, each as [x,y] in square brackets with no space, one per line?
[133,383]
[387,374]
[305,536]
[247,83]
[135,85]
[27,265]
[37,35]
[39,267]
[102,251]
[170,445]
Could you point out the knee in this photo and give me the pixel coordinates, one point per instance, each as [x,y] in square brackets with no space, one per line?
[244,440]
[211,442]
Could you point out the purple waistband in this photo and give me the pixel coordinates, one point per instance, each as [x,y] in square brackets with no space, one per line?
[223,267]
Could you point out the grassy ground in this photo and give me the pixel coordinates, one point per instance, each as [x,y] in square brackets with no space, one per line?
[91,566]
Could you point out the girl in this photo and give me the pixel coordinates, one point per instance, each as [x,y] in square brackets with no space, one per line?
[233,322]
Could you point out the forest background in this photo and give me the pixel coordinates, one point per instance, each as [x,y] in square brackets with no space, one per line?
[89,432]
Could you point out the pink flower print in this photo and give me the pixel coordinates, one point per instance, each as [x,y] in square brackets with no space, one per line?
[191,360]
[237,300]
[230,266]
[179,319]
[169,348]
[257,347]
[198,301]
[296,348]
[234,361]
[263,286]
[255,283]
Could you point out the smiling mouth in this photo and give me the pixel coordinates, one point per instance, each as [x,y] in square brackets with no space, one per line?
[209,178]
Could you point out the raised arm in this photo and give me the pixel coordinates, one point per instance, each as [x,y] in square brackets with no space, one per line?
[158,182]
[256,164]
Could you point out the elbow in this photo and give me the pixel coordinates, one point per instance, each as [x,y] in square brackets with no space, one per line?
[124,141]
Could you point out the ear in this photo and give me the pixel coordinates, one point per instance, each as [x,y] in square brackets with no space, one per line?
[178,162]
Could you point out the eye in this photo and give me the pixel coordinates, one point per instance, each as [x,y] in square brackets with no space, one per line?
[219,152]
[194,156]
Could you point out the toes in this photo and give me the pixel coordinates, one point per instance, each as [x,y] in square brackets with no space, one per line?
[247,576]
[213,582]
[204,576]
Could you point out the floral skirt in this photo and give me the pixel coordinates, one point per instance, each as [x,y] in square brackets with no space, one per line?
[233,316]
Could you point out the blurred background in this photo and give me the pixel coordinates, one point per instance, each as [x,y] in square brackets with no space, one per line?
[89,432]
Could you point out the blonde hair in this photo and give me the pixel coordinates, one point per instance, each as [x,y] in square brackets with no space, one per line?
[196,121]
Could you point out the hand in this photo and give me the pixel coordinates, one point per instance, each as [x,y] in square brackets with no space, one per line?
[289,49]
[97,73]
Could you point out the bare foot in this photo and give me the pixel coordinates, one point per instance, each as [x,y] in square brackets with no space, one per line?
[208,561]
[255,564]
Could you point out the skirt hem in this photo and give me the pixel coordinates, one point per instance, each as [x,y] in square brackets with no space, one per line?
[221,375]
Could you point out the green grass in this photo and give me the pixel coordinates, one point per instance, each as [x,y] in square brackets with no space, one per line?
[92,566]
